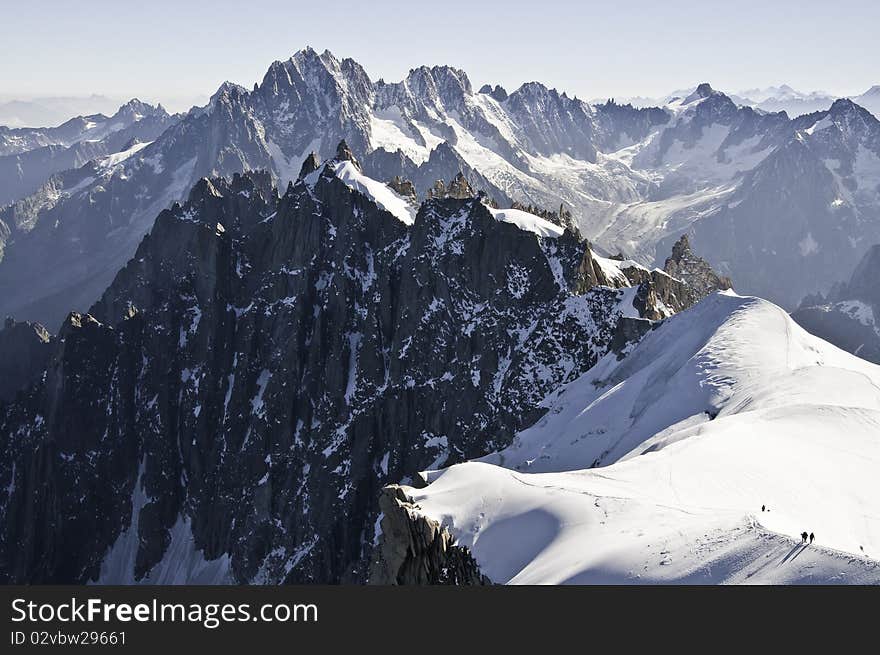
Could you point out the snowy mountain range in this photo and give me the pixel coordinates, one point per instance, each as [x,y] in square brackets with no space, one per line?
[335,330]
[773,99]
[784,98]
[30,156]
[634,179]
[231,407]
[52,110]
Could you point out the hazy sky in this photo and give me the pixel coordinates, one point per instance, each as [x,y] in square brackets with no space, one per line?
[175,51]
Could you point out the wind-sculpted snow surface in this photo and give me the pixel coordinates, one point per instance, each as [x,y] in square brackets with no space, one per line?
[236,400]
[655,468]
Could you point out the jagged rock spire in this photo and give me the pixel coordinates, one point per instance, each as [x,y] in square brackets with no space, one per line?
[344,153]
[460,188]
[682,246]
[695,271]
[437,190]
[498,92]
[311,164]
[403,187]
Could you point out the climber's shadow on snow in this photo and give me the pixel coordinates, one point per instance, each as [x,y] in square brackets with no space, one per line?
[793,553]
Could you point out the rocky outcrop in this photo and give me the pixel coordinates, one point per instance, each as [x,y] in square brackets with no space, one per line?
[498,92]
[344,153]
[309,166]
[459,187]
[264,365]
[403,187]
[620,124]
[444,163]
[694,271]
[686,280]
[416,550]
[25,349]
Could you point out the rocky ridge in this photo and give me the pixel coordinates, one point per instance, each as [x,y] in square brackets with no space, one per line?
[416,550]
[265,364]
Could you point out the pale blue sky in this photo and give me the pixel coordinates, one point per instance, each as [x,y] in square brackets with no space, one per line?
[167,50]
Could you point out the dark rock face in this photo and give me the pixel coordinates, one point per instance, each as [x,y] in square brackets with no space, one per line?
[845,324]
[458,188]
[848,315]
[694,271]
[344,153]
[658,295]
[25,349]
[497,92]
[553,122]
[416,550]
[718,109]
[617,123]
[310,165]
[263,366]
[865,281]
[685,280]
[804,216]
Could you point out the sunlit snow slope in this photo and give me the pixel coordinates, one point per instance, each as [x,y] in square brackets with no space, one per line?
[722,409]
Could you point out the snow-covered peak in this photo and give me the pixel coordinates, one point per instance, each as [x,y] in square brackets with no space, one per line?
[703,99]
[655,468]
[785,98]
[428,94]
[702,92]
[316,69]
[855,122]
[135,110]
[441,86]
[348,172]
[225,91]
[320,82]
[709,358]
[843,106]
